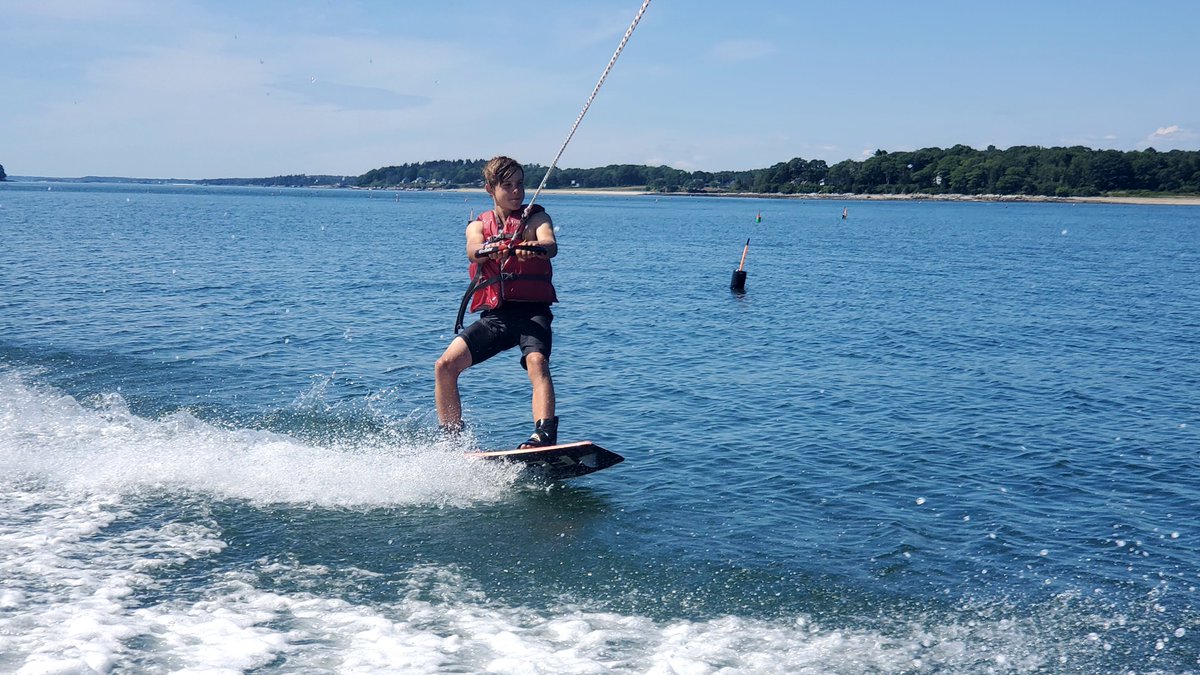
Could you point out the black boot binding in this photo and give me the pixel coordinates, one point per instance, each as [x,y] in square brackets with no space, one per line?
[545,433]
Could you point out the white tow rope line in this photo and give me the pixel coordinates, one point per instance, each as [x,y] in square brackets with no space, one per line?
[596,90]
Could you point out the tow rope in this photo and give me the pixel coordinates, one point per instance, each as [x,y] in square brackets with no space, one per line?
[588,104]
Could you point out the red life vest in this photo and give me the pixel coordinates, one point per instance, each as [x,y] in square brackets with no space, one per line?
[513,279]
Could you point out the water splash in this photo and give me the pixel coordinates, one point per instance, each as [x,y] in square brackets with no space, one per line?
[99,445]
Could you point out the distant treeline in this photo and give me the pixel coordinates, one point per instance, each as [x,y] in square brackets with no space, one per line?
[469,173]
[1020,170]
[299,180]
[296,180]
[3,176]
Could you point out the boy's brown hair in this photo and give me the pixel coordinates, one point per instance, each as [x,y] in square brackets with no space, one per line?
[499,168]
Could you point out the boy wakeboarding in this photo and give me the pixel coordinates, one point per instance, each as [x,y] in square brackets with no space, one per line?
[511,285]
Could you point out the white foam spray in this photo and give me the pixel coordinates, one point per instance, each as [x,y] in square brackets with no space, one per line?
[100,446]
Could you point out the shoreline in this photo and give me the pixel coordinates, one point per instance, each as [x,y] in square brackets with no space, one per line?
[1165,200]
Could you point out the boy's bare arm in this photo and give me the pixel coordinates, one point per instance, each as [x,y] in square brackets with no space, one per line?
[543,229]
[474,239]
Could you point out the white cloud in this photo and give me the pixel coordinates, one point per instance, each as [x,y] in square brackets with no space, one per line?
[1166,132]
[1172,137]
[210,104]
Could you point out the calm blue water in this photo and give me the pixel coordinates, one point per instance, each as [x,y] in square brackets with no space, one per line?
[934,437]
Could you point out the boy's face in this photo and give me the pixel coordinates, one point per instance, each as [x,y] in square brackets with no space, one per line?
[509,193]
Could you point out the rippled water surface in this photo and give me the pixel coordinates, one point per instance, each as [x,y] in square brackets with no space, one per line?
[931,437]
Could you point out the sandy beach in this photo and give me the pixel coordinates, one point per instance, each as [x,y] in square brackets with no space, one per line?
[627,192]
[1180,201]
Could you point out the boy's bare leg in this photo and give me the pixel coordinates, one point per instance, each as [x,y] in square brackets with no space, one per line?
[543,387]
[452,363]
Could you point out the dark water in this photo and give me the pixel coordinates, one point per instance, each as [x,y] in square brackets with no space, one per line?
[933,437]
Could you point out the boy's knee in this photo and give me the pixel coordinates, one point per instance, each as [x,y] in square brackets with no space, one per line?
[444,367]
[536,362]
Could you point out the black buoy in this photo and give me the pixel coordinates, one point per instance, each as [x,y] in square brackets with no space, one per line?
[738,282]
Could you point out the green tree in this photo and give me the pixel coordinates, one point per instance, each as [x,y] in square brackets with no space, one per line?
[842,176]
[1112,171]
[1013,182]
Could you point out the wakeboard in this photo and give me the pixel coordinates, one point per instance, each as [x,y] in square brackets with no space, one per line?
[557,462]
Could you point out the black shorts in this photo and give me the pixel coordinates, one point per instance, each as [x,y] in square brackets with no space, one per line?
[515,323]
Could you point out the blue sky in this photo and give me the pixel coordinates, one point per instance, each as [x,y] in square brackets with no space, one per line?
[191,89]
